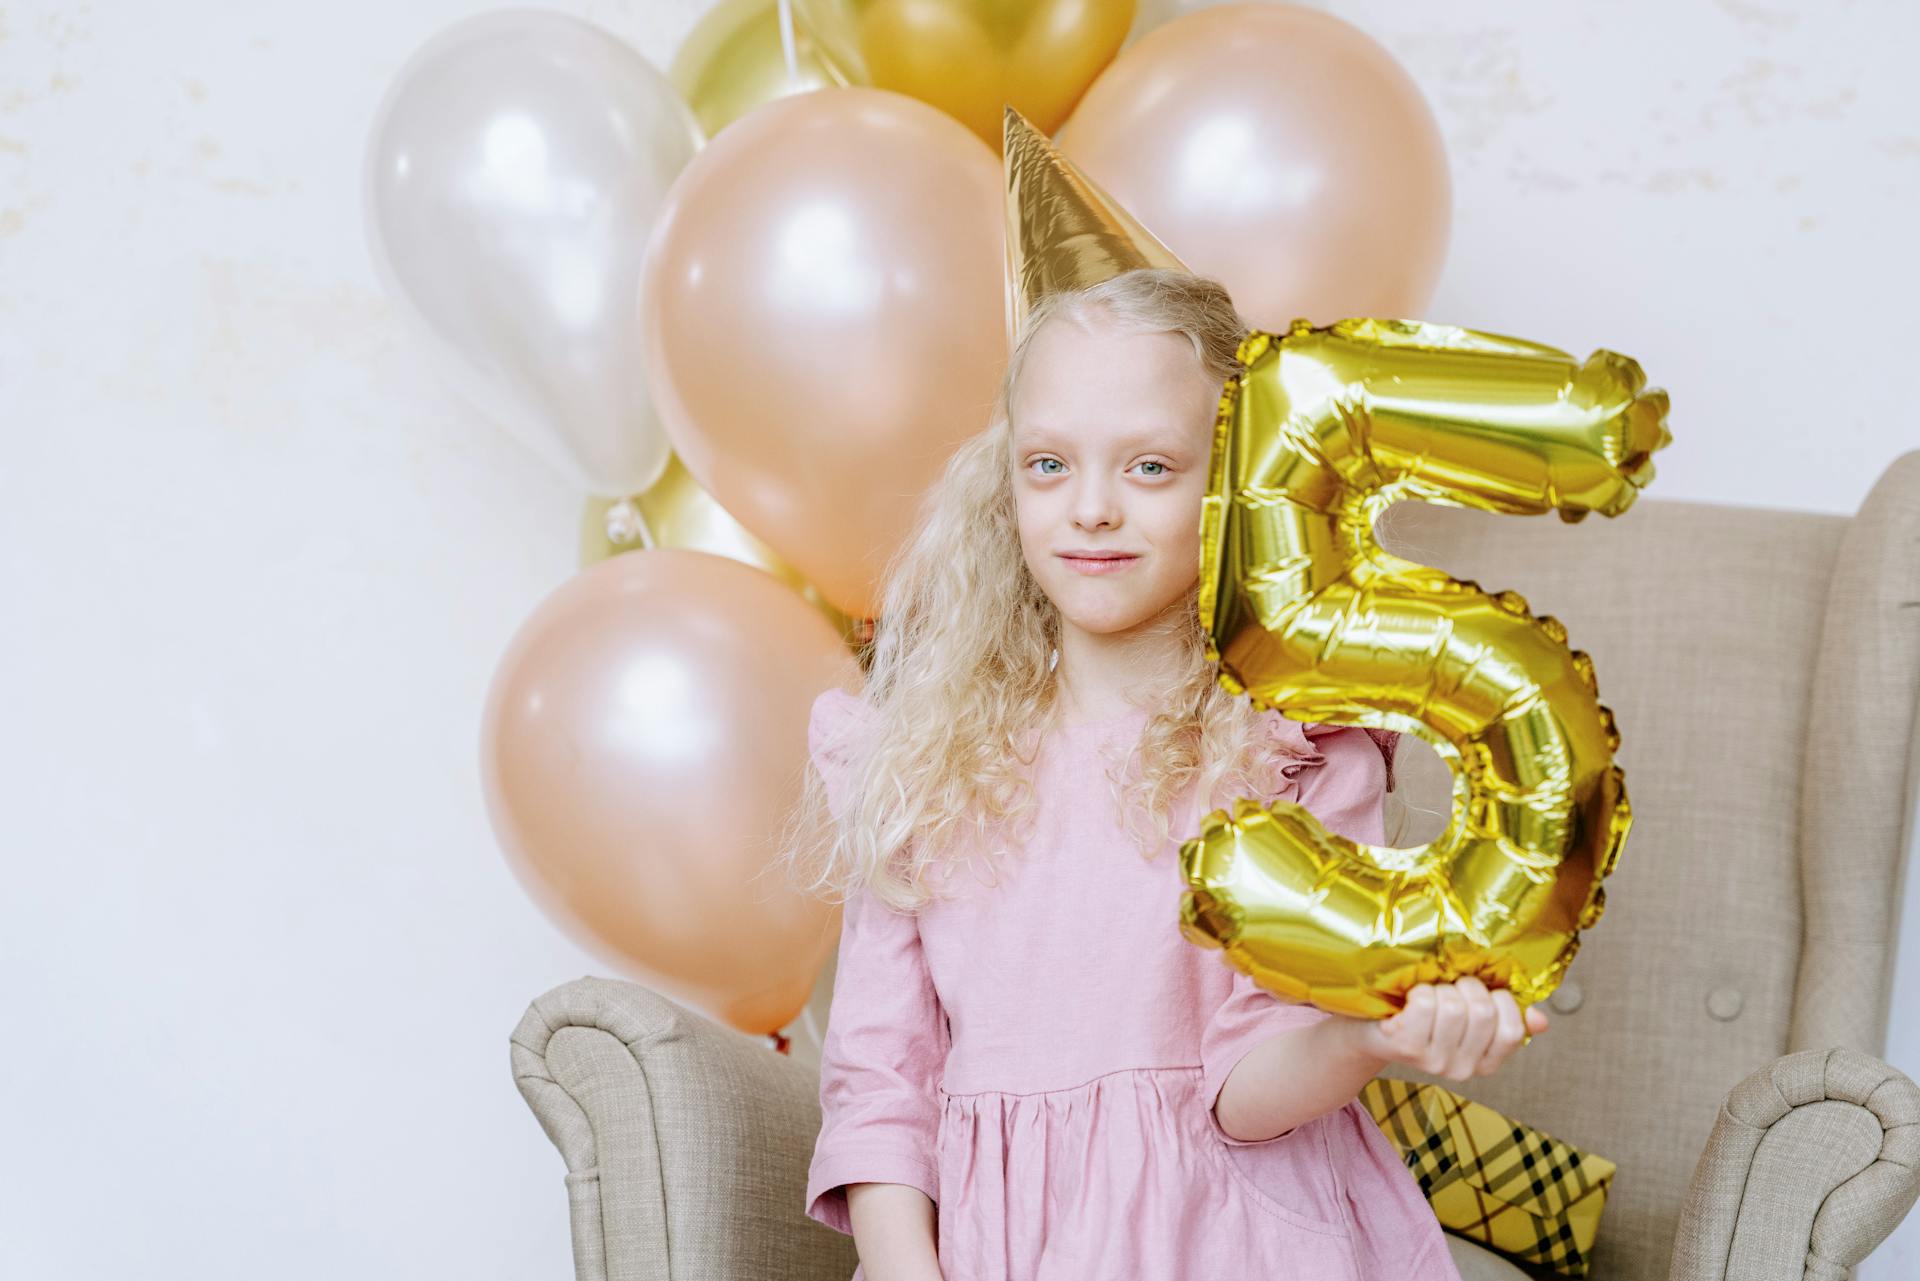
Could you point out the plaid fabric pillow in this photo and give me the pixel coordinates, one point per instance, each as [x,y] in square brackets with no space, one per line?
[1492,1180]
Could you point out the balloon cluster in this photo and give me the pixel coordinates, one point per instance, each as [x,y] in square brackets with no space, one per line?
[748,306]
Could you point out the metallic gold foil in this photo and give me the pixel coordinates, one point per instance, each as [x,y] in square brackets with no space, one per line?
[1063,231]
[971,57]
[676,512]
[1306,613]
[735,60]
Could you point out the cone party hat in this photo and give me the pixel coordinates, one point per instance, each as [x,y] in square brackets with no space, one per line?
[1063,231]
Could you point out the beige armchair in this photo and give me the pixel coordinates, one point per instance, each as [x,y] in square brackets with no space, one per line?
[1716,1035]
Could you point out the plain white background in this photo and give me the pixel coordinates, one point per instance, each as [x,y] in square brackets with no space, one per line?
[261,954]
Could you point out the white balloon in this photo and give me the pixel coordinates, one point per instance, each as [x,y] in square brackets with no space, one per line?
[513,173]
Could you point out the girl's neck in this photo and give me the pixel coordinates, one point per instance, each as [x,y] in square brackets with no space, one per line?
[1102,679]
[1113,721]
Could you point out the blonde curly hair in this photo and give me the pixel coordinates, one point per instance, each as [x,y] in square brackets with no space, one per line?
[959,678]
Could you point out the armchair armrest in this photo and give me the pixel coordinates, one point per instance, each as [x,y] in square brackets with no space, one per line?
[1814,1160]
[686,1142]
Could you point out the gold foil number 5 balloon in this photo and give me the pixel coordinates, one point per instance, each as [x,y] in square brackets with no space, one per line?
[1322,430]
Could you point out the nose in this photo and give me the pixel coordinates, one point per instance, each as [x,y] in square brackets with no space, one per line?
[1095,505]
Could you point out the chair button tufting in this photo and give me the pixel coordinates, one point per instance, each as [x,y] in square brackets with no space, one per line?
[1567,997]
[1724,1002]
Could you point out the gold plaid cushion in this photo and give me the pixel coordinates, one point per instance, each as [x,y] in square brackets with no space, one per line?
[1492,1180]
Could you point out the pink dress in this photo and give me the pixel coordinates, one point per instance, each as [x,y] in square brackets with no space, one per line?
[1041,1057]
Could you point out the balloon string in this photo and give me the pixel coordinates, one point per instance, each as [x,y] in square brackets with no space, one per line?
[786,40]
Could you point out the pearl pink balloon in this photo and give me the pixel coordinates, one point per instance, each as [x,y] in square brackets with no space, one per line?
[644,737]
[1281,151]
[824,321]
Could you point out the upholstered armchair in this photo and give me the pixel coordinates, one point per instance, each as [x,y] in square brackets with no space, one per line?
[1717,1036]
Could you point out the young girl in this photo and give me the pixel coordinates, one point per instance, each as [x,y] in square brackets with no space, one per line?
[1028,1073]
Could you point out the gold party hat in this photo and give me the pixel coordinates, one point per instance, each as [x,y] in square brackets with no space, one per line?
[1063,231]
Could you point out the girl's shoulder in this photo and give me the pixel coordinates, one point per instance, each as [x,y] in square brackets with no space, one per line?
[1294,740]
[1300,743]
[837,717]
[838,732]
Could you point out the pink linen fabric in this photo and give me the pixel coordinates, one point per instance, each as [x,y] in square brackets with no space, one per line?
[1041,1055]
[1387,741]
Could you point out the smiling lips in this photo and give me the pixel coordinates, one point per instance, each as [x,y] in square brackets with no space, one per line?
[1091,562]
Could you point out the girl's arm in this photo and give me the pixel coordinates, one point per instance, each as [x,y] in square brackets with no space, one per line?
[1272,1065]
[1293,1077]
[893,1231]
[1456,1030]
[880,1068]
[875,1172]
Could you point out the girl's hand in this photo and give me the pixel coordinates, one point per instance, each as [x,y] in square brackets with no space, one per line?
[1455,1030]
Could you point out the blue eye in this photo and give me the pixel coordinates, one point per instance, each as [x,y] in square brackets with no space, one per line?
[1150,462]
[1044,461]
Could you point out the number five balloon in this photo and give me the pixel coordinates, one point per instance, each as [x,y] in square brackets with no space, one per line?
[1322,430]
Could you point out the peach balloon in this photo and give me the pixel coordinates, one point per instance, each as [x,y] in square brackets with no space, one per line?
[823,321]
[644,738]
[1281,151]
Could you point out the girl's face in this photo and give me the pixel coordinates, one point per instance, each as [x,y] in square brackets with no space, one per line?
[1111,437]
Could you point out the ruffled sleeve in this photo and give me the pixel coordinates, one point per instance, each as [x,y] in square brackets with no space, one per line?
[837,737]
[1341,773]
[881,1063]
[1347,792]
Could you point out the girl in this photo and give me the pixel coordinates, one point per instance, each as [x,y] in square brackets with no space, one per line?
[1028,1073]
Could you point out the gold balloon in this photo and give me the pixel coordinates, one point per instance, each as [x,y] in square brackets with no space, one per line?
[970,58]
[676,512]
[1321,431]
[1063,231]
[734,60]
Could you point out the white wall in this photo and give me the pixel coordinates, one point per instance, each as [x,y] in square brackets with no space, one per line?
[256,565]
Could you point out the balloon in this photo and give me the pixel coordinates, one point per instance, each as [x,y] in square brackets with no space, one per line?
[513,170]
[823,322]
[1148,14]
[644,739]
[972,58]
[1306,613]
[1282,128]
[734,60]
[676,512]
